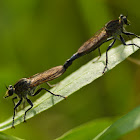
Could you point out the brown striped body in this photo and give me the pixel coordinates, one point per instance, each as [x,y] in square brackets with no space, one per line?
[27,85]
[110,29]
[46,76]
[93,43]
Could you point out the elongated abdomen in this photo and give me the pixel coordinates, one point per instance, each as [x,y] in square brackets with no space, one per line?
[93,43]
[46,76]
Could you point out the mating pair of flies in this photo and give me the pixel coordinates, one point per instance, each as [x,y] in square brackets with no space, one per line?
[26,86]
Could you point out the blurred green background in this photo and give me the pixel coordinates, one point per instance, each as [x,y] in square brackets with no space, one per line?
[36,35]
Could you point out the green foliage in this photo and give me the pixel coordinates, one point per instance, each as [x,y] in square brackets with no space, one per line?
[102,130]
[8,137]
[83,76]
[87,131]
[124,125]
[37,35]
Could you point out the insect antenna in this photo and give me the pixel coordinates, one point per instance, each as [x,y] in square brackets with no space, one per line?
[6,86]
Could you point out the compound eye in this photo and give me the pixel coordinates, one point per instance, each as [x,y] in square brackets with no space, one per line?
[125,20]
[10,91]
[121,16]
[10,87]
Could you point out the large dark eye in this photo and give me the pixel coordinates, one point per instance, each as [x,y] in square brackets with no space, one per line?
[10,91]
[121,16]
[125,20]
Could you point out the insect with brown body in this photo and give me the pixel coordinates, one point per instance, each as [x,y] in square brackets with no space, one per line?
[111,30]
[27,86]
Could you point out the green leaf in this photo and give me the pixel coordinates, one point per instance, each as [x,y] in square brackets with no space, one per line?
[99,130]
[7,137]
[124,125]
[83,76]
[87,131]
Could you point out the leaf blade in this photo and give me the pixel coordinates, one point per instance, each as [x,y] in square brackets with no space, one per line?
[122,126]
[8,137]
[83,76]
[85,131]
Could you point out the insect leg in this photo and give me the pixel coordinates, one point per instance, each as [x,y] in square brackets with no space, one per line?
[30,102]
[123,41]
[23,106]
[107,55]
[129,33]
[98,56]
[19,102]
[13,100]
[50,85]
[39,90]
[100,50]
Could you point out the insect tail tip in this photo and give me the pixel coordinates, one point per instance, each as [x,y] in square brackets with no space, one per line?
[66,97]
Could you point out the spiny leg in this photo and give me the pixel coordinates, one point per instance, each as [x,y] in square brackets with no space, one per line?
[19,102]
[30,102]
[13,100]
[129,33]
[100,50]
[110,46]
[50,85]
[39,90]
[123,41]
[23,106]
[98,56]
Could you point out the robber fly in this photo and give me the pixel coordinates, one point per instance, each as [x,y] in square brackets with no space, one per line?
[111,31]
[27,86]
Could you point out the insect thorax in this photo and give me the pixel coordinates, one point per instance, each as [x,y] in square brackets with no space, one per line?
[22,87]
[114,27]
